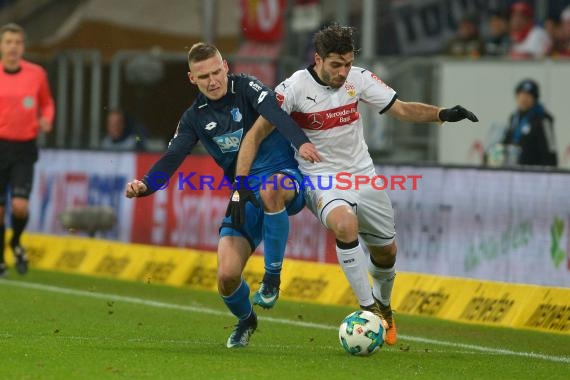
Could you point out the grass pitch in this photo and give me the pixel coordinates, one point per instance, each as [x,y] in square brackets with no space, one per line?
[61,326]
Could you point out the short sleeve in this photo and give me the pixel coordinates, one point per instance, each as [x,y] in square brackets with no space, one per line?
[285,97]
[375,92]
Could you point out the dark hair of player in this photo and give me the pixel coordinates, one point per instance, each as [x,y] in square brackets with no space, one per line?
[334,39]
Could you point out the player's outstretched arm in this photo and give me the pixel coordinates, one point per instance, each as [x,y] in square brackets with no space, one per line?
[159,174]
[426,113]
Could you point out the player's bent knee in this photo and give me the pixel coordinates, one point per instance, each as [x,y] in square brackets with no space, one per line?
[344,226]
[20,207]
[274,198]
[228,282]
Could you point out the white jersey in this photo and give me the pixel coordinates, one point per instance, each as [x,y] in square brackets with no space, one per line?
[329,117]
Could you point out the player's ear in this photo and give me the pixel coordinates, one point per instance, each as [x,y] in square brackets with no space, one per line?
[226,67]
[318,59]
[191,77]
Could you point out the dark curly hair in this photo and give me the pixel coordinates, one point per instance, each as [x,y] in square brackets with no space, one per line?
[334,39]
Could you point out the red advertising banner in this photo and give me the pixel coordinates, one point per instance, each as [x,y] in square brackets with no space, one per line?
[190,216]
[262,20]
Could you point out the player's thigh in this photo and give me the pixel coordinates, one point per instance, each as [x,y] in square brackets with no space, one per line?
[322,202]
[376,217]
[251,229]
[21,179]
[291,181]
[25,155]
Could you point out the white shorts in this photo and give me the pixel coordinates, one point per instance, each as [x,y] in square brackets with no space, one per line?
[372,207]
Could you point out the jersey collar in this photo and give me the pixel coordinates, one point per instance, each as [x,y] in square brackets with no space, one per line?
[12,72]
[311,70]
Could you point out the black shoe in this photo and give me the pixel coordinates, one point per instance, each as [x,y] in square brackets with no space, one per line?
[21,259]
[243,331]
[3,270]
[385,312]
[374,309]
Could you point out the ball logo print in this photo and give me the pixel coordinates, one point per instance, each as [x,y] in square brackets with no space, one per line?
[362,333]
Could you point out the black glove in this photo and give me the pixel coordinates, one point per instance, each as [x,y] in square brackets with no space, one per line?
[238,201]
[456,113]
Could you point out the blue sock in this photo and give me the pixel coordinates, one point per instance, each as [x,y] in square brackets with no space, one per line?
[238,302]
[275,233]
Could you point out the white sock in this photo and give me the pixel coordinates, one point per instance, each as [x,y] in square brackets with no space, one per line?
[382,282]
[353,265]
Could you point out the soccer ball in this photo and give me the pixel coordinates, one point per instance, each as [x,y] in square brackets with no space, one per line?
[361,333]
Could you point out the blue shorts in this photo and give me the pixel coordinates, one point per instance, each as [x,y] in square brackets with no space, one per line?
[252,228]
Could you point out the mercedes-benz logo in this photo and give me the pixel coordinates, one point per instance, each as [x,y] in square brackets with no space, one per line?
[315,121]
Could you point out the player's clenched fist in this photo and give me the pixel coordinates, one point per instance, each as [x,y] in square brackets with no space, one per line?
[135,188]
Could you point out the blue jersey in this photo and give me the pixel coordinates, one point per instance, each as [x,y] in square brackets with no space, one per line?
[220,125]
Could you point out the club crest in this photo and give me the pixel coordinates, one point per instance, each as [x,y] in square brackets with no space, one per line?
[236,115]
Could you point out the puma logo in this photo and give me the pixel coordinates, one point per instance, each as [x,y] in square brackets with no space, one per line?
[313,99]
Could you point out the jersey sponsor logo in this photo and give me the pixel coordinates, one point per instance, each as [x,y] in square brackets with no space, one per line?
[236,115]
[336,117]
[211,126]
[261,97]
[255,86]
[229,142]
[350,89]
[315,121]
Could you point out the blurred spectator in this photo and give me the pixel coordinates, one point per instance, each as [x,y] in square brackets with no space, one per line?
[498,42]
[528,40]
[467,42]
[122,133]
[562,39]
[530,135]
[551,26]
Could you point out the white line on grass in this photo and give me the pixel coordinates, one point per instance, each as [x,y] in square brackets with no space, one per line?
[204,310]
[188,342]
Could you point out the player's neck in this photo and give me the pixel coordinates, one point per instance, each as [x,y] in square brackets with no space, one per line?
[11,66]
[313,71]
